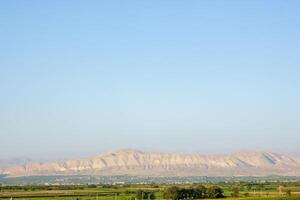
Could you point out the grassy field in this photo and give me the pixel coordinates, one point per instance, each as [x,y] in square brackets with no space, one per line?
[246,191]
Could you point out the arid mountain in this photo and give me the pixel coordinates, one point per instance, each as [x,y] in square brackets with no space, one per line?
[134,162]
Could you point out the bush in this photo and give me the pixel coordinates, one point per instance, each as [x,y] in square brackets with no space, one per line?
[140,194]
[246,194]
[201,190]
[172,193]
[215,192]
[289,192]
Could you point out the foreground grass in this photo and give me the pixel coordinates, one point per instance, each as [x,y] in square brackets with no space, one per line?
[127,198]
[269,191]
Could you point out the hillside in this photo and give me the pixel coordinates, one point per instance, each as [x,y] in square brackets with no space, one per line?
[135,162]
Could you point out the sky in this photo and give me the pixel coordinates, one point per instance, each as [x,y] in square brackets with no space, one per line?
[82,77]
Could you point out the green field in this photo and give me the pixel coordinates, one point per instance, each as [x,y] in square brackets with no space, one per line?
[232,191]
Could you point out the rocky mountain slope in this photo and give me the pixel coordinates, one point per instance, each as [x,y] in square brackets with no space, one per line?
[134,162]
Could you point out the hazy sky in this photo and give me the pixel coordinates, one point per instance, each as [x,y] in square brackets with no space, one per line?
[82,77]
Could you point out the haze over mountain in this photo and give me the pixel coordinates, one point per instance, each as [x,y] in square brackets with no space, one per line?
[15,161]
[139,163]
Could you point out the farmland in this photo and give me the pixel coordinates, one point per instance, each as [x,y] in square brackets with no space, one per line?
[231,191]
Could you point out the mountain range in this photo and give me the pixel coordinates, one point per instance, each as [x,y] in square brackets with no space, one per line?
[140,163]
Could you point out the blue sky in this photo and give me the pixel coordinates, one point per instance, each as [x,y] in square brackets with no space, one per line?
[82,77]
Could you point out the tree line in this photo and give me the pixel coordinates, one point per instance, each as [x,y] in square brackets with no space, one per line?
[176,193]
[198,192]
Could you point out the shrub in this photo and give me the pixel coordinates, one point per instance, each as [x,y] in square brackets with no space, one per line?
[215,192]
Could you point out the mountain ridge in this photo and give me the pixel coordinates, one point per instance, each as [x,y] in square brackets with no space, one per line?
[141,163]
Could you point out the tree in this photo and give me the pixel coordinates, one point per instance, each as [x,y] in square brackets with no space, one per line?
[288,192]
[249,186]
[198,192]
[188,194]
[172,193]
[235,191]
[151,196]
[215,192]
[140,194]
[201,190]
[246,194]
